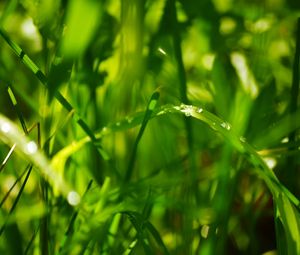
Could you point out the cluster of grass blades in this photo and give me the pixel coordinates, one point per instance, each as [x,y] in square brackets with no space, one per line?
[85,191]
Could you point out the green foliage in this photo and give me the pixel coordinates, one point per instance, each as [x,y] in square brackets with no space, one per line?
[149,127]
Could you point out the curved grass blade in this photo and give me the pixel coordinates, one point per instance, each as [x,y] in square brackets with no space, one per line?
[214,122]
[228,132]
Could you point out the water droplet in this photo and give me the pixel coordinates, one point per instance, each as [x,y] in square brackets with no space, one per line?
[200,110]
[225,125]
[242,139]
[31,147]
[5,127]
[73,198]
[187,110]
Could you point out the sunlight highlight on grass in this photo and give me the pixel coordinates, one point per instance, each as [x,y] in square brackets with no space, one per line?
[11,135]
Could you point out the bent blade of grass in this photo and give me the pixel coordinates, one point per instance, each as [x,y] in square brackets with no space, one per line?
[280,193]
[214,122]
[10,134]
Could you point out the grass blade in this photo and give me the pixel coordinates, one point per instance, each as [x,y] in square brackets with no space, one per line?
[63,101]
[150,108]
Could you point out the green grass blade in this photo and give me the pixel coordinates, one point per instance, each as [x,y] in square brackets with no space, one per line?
[214,122]
[63,101]
[290,218]
[28,169]
[157,237]
[16,106]
[150,108]
[10,134]
[29,245]
[11,188]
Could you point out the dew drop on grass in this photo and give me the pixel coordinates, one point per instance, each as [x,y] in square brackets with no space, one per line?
[73,198]
[225,125]
[200,110]
[5,127]
[31,147]
[187,110]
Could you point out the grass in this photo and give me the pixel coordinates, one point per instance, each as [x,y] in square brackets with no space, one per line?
[156,127]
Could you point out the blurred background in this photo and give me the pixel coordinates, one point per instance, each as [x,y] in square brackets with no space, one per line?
[233,58]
